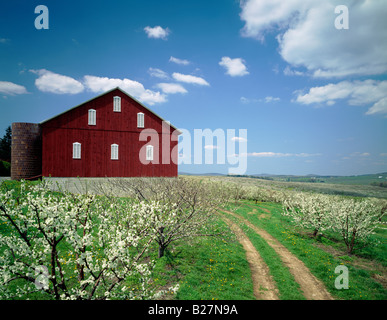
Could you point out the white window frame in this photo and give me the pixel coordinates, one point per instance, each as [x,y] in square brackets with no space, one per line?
[117,104]
[149,152]
[77,148]
[92,117]
[140,120]
[114,151]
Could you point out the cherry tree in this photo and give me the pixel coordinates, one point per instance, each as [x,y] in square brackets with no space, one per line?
[355,220]
[186,207]
[310,211]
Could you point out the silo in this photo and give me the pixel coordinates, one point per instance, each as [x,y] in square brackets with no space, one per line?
[26,154]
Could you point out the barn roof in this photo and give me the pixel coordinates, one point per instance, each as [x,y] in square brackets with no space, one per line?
[117,88]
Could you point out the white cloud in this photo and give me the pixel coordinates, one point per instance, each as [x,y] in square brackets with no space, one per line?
[157,32]
[360,154]
[308,38]
[179,61]
[189,79]
[271,99]
[134,88]
[378,107]
[267,99]
[357,93]
[171,88]
[234,67]
[263,16]
[101,84]
[290,72]
[245,100]
[151,97]
[56,83]
[158,73]
[11,88]
[281,155]
[326,93]
[60,84]
[239,139]
[210,147]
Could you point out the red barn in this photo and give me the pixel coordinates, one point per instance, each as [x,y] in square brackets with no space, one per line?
[112,135]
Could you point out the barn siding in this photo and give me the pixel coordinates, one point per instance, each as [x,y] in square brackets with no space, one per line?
[61,132]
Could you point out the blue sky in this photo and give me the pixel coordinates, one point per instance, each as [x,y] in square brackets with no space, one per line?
[312,96]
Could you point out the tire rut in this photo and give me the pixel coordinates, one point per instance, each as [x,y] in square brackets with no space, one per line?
[312,288]
[263,283]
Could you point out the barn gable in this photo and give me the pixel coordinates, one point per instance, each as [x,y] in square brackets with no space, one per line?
[75,117]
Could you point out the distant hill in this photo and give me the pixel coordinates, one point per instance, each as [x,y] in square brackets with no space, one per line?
[201,174]
[364,179]
[377,179]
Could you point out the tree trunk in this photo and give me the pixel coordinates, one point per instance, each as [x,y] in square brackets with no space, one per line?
[53,267]
[161,242]
[352,243]
[161,251]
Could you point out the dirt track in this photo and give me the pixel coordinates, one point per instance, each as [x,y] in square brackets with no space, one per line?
[312,288]
[263,283]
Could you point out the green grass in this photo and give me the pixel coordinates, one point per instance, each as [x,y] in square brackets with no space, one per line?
[207,269]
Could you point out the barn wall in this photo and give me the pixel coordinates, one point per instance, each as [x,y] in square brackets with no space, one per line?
[120,128]
[96,154]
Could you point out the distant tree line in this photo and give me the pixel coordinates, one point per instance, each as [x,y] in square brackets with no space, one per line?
[249,176]
[280,178]
[5,152]
[379,184]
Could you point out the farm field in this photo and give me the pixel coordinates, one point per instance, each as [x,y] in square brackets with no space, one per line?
[349,186]
[366,179]
[288,263]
